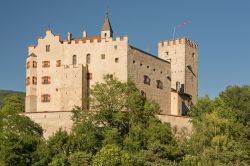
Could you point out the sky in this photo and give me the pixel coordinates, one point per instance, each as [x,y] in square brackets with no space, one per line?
[220,27]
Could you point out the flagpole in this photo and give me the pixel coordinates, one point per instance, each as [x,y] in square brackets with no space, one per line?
[174,33]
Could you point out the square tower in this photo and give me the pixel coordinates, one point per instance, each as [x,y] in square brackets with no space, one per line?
[183,55]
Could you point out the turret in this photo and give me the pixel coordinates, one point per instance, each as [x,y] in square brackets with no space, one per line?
[106,31]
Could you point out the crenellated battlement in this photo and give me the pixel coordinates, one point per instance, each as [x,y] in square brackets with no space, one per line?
[178,41]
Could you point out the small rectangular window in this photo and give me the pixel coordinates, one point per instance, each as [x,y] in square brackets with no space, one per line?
[115,46]
[110,76]
[46,80]
[116,60]
[88,59]
[89,76]
[34,80]
[58,63]
[34,64]
[146,80]
[46,64]
[102,56]
[47,48]
[159,84]
[45,98]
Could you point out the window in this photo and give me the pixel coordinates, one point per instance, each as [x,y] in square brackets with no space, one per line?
[193,55]
[110,76]
[133,61]
[143,93]
[58,63]
[167,53]
[116,60]
[146,80]
[27,80]
[140,64]
[159,84]
[115,46]
[88,59]
[34,80]
[147,66]
[46,64]
[89,76]
[102,56]
[46,80]
[45,98]
[74,60]
[28,65]
[34,64]
[47,48]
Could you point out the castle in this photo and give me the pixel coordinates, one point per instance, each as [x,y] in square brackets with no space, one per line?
[60,73]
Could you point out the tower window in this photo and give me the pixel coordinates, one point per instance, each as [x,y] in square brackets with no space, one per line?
[34,80]
[146,80]
[115,46]
[27,80]
[34,64]
[58,63]
[102,56]
[46,64]
[193,54]
[147,66]
[89,76]
[159,84]
[116,60]
[74,60]
[28,65]
[133,61]
[45,98]
[167,53]
[47,48]
[110,76]
[46,80]
[88,59]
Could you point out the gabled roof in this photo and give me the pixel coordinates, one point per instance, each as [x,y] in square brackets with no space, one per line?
[32,54]
[107,26]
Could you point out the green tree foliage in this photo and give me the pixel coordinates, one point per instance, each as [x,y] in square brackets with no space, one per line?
[13,105]
[19,138]
[221,133]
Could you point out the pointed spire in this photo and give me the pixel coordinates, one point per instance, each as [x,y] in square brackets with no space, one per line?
[107,26]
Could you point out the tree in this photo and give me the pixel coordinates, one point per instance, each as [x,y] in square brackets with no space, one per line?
[121,128]
[19,138]
[12,105]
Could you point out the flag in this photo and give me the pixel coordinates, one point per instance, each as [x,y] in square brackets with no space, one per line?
[183,24]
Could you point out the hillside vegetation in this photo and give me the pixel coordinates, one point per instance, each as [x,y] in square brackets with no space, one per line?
[8,93]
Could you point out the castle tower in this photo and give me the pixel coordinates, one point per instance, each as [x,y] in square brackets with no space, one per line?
[183,55]
[106,31]
[31,82]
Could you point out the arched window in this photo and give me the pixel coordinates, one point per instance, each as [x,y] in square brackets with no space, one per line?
[88,59]
[74,60]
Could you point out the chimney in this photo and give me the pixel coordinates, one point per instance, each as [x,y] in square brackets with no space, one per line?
[84,34]
[69,36]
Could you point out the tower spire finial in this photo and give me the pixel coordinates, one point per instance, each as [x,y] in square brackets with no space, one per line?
[107,9]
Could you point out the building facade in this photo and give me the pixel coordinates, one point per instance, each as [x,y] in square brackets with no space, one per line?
[60,72]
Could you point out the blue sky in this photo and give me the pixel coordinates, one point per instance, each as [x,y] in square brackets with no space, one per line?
[220,27]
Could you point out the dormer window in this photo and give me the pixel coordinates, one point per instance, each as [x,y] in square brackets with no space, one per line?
[47,48]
